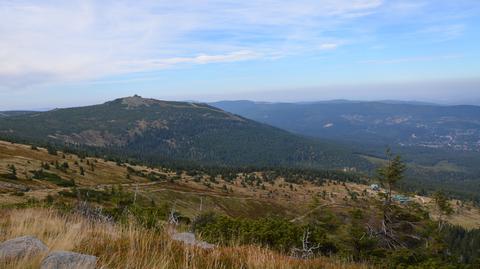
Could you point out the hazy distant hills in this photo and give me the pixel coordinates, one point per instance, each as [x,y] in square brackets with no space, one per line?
[4,114]
[386,122]
[154,130]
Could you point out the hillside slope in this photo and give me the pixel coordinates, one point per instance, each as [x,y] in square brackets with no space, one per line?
[243,194]
[275,208]
[154,131]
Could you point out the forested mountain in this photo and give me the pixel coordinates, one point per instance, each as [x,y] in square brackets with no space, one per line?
[155,131]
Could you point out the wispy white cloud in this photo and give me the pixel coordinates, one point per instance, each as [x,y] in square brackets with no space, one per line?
[155,64]
[57,41]
[77,40]
[329,46]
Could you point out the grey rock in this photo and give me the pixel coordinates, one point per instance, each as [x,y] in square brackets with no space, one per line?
[68,260]
[21,247]
[189,239]
[12,187]
[204,245]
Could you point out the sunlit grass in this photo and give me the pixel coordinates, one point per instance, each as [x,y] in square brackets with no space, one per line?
[131,246]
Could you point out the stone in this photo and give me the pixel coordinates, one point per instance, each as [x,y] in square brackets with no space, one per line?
[68,260]
[20,247]
[204,245]
[189,239]
[13,187]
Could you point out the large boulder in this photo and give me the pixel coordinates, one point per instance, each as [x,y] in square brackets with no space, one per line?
[20,247]
[68,260]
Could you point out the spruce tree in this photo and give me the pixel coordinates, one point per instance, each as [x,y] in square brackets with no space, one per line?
[391,173]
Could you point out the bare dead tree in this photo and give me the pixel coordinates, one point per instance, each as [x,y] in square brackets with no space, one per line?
[391,233]
[91,213]
[307,250]
[172,217]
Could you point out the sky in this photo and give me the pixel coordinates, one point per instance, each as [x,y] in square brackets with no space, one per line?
[70,53]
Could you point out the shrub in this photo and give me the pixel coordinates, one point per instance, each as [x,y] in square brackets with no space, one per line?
[53,178]
[276,233]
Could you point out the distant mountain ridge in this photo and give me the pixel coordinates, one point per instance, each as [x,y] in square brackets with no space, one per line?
[155,131]
[388,122]
[4,114]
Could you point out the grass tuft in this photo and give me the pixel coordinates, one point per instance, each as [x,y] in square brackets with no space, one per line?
[131,246]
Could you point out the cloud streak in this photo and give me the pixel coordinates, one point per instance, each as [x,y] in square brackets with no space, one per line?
[57,41]
[156,64]
[413,59]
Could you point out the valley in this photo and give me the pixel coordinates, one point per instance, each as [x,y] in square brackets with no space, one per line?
[397,124]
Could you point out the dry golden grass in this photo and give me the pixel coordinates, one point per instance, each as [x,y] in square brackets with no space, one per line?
[134,247]
[25,159]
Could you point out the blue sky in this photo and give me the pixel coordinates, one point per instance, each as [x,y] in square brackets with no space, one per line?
[66,53]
